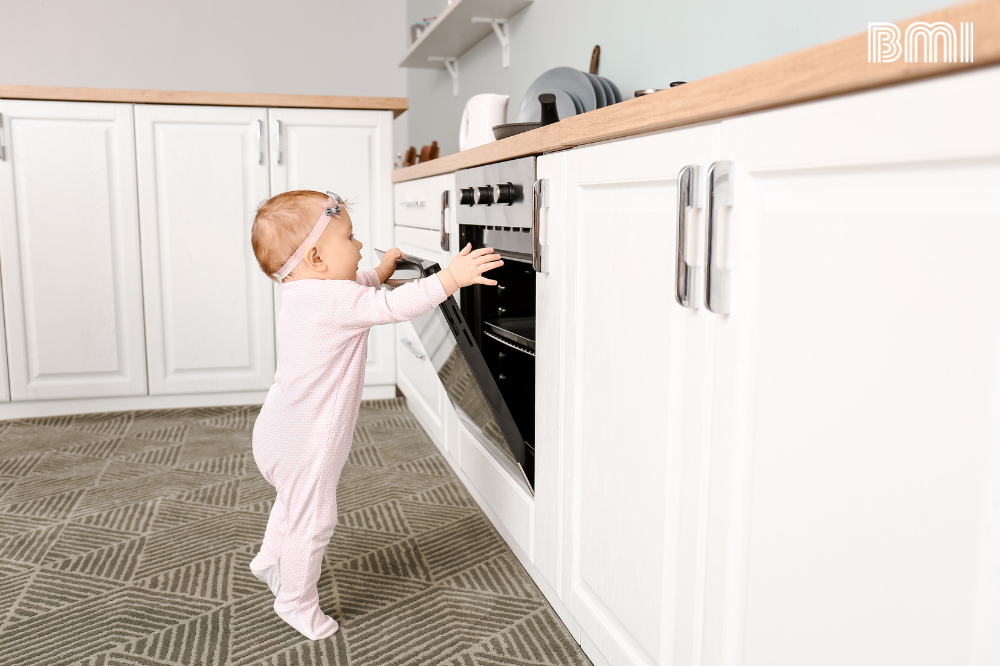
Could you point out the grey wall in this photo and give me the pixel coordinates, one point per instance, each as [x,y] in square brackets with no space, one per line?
[644,44]
[322,47]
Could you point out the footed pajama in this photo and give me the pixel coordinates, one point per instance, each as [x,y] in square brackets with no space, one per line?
[303,434]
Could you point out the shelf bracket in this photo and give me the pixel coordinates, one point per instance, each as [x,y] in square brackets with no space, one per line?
[451,64]
[500,29]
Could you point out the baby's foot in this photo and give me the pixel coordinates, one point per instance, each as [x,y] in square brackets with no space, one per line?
[325,626]
[269,575]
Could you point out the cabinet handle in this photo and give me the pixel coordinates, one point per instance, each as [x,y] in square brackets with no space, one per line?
[3,156]
[717,279]
[539,255]
[445,238]
[417,202]
[409,347]
[688,186]
[277,139]
[260,142]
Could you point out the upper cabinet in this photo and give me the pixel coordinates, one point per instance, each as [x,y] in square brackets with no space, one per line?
[348,152]
[202,172]
[69,251]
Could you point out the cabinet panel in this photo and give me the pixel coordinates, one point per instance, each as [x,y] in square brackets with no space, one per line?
[209,313]
[417,379]
[633,357]
[418,202]
[69,251]
[350,153]
[854,421]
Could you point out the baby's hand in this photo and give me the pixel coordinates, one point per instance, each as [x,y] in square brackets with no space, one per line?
[468,267]
[387,266]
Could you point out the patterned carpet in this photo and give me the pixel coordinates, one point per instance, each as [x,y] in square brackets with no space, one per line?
[125,539]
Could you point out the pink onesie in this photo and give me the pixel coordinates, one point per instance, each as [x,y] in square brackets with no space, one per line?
[303,434]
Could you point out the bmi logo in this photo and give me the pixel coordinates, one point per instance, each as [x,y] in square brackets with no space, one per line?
[884,44]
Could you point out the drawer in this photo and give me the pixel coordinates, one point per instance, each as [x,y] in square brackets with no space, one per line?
[424,243]
[416,377]
[418,202]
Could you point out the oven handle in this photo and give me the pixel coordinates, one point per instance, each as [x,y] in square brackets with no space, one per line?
[445,239]
[539,253]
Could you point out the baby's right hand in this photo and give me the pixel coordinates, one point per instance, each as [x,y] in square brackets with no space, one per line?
[468,266]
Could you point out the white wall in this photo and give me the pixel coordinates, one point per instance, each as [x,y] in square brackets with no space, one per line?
[322,47]
[644,44]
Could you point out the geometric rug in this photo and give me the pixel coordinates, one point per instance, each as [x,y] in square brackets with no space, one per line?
[125,539]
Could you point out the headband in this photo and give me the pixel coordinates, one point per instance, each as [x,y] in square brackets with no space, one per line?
[332,211]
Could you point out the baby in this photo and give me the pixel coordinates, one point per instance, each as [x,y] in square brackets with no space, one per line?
[301,439]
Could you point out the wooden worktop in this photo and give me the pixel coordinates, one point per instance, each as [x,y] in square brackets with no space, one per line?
[395,104]
[827,70]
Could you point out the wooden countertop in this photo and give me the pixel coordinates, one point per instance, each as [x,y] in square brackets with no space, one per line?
[827,70]
[395,104]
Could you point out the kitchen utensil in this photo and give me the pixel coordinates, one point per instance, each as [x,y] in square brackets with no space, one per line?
[481,113]
[560,78]
[565,105]
[595,59]
[601,100]
[425,154]
[647,91]
[608,92]
[510,129]
[411,157]
[550,115]
[614,89]
[435,151]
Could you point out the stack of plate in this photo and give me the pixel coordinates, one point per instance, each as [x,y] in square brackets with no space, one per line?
[575,91]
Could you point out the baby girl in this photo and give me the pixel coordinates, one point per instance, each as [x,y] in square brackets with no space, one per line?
[305,241]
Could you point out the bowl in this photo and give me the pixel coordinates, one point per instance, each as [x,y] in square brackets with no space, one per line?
[510,129]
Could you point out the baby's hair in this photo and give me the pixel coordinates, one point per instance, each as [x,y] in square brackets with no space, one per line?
[282,223]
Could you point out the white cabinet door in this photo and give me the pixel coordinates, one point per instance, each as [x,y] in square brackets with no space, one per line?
[855,432]
[69,251]
[209,312]
[350,153]
[627,361]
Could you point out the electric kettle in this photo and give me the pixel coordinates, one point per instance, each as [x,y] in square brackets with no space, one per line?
[481,113]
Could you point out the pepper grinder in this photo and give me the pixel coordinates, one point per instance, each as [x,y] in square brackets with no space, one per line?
[549,112]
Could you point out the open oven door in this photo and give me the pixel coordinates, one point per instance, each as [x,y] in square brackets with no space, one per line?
[460,365]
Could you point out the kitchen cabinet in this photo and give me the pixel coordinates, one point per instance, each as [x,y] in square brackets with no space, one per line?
[202,171]
[69,251]
[348,152]
[423,209]
[853,481]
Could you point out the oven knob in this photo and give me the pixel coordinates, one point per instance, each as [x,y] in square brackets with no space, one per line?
[484,195]
[504,194]
[468,196]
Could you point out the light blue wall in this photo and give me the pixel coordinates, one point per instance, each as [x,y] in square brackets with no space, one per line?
[644,44]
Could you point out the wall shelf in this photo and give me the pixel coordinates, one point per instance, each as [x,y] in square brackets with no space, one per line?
[455,32]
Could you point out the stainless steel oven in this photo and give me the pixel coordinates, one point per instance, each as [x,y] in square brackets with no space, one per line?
[482,344]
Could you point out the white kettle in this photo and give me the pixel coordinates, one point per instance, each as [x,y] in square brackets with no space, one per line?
[481,113]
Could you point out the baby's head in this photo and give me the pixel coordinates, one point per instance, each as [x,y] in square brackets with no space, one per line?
[283,223]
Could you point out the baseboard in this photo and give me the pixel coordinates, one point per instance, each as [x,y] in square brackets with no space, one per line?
[128,403]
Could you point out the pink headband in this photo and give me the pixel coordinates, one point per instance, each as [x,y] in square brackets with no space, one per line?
[332,211]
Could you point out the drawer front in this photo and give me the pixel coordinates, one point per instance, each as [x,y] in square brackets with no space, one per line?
[418,202]
[417,379]
[424,243]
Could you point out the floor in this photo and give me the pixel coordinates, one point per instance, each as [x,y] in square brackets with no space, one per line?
[125,538]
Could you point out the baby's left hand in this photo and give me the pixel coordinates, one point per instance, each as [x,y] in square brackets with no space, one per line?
[387,266]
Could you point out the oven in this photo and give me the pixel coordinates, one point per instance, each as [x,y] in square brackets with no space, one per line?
[482,343]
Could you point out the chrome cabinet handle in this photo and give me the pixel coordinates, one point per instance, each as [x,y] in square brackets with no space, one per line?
[277,140]
[409,347]
[445,237]
[539,255]
[688,186]
[418,202]
[3,156]
[260,143]
[718,280]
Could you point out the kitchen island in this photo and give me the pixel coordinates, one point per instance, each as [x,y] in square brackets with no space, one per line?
[792,455]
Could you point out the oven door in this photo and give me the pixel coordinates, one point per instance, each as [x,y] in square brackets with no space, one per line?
[460,365]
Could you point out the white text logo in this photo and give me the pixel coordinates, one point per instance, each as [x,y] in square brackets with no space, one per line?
[938,40]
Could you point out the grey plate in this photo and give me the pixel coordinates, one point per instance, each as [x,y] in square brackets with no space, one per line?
[562,78]
[564,105]
[614,88]
[576,101]
[608,92]
[595,83]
